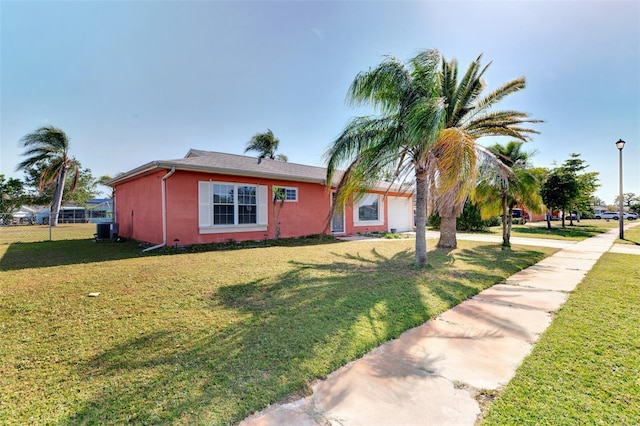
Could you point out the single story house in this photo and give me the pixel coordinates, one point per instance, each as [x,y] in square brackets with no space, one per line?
[26,214]
[209,197]
[67,214]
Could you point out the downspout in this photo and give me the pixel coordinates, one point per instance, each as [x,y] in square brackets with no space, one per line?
[164,211]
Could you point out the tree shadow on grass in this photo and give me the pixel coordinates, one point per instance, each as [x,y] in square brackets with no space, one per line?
[42,254]
[495,258]
[288,331]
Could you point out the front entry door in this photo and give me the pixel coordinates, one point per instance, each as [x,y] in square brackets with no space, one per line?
[337,220]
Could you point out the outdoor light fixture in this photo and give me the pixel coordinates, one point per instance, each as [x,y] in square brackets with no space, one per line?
[620,145]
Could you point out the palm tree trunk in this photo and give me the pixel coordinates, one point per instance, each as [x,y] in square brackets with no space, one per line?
[448,231]
[505,223]
[449,209]
[421,218]
[56,202]
[509,225]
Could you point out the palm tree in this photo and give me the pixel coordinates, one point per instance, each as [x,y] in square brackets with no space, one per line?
[499,195]
[472,118]
[49,147]
[266,145]
[428,126]
[396,143]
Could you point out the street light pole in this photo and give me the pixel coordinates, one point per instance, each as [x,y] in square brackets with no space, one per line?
[620,145]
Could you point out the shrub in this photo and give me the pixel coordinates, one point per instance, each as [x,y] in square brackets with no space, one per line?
[469,220]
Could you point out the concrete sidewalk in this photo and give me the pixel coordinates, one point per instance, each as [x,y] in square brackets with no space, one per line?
[431,374]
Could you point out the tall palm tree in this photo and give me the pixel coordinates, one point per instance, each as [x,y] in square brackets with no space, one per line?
[49,146]
[428,126]
[499,195]
[266,145]
[397,142]
[472,117]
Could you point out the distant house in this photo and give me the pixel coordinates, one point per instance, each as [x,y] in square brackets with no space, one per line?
[26,214]
[67,214]
[210,197]
[99,210]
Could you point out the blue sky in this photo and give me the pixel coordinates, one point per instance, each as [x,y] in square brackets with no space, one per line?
[132,82]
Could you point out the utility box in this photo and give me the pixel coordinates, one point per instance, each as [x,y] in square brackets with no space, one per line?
[106,231]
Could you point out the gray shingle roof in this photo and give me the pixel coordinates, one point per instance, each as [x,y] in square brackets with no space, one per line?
[241,165]
[238,165]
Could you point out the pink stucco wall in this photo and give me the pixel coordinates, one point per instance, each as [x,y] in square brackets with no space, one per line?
[309,215]
[139,210]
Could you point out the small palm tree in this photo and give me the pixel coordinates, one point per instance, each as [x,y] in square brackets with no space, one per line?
[49,146]
[500,194]
[266,145]
[472,118]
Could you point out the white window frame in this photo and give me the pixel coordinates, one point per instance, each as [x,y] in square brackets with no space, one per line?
[286,188]
[205,209]
[356,211]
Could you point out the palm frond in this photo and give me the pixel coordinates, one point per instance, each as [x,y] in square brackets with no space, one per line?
[425,121]
[502,123]
[385,87]
[488,195]
[466,93]
[44,144]
[499,94]
[456,158]
[359,134]
[425,75]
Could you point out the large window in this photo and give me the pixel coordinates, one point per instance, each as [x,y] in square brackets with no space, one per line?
[225,205]
[368,211]
[247,205]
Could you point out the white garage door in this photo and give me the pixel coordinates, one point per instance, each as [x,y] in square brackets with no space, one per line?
[400,213]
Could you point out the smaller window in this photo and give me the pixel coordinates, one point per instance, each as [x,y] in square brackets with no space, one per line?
[281,193]
[368,208]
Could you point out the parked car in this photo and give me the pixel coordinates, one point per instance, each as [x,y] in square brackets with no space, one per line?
[572,216]
[616,215]
[608,215]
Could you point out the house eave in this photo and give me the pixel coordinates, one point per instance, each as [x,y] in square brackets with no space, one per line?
[157,165]
[145,168]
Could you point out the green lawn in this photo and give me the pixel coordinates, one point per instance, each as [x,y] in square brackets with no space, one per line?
[209,337]
[585,370]
[34,233]
[631,235]
[579,231]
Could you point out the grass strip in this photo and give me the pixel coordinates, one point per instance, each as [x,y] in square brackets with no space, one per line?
[585,369]
[209,338]
[631,235]
[577,232]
